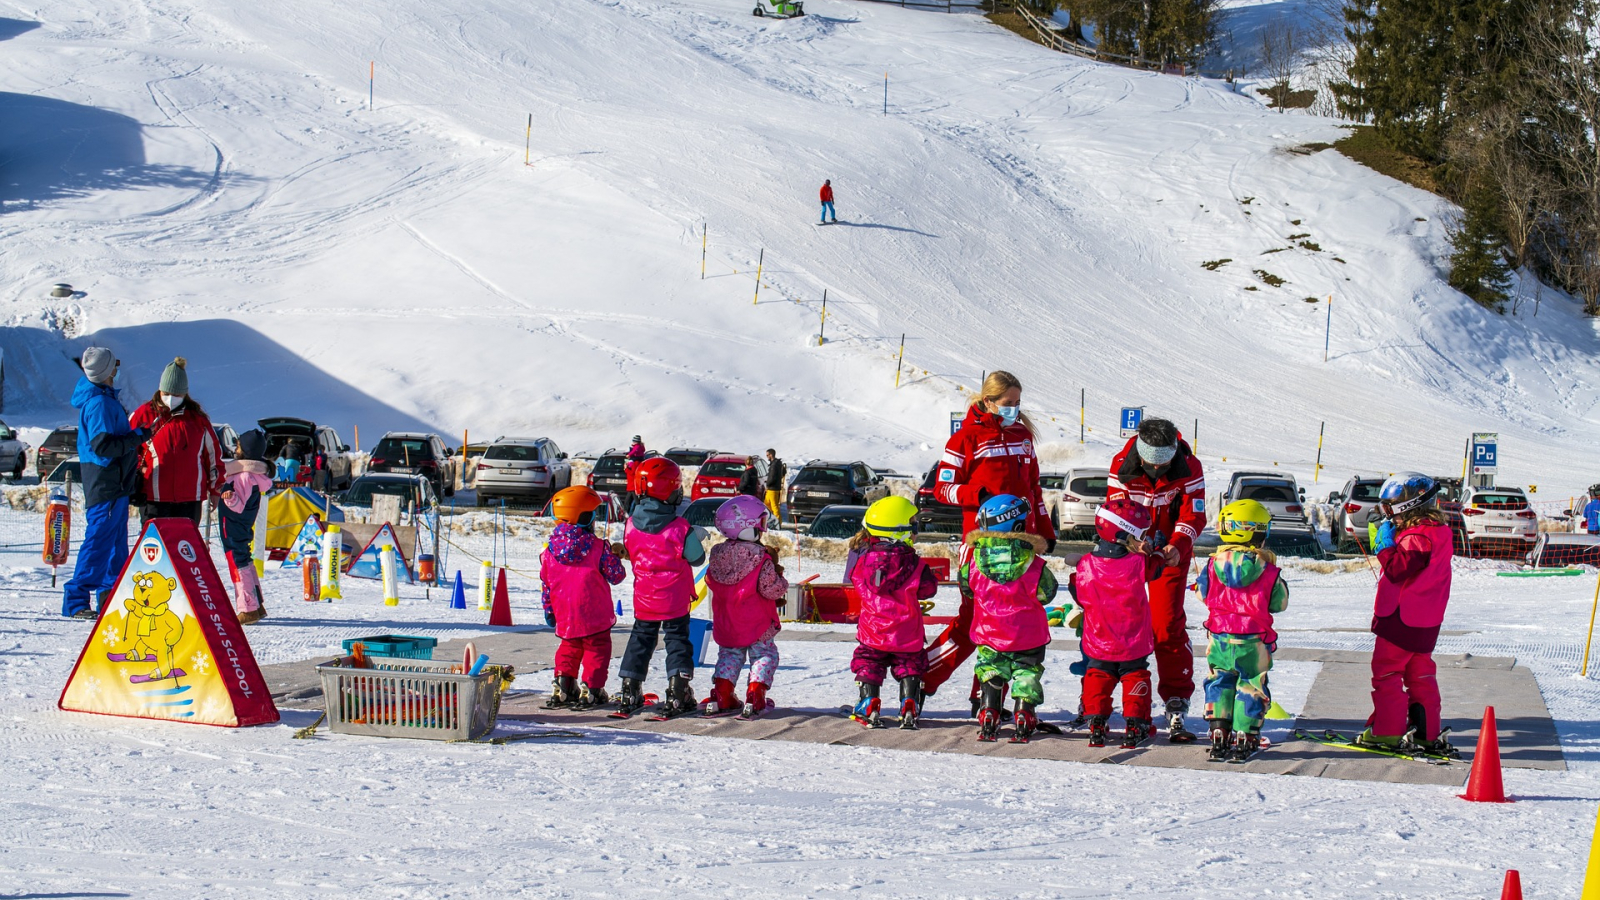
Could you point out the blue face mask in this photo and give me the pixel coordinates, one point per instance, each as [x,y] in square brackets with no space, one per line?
[1008,414]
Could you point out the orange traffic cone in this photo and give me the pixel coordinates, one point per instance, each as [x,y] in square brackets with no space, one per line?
[500,612]
[1484,785]
[1512,890]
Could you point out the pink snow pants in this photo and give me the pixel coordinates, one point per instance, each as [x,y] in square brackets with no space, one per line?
[594,654]
[1399,679]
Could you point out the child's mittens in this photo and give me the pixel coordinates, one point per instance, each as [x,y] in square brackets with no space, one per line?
[1381,535]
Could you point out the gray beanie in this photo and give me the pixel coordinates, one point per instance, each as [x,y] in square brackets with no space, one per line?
[175,378]
[99,364]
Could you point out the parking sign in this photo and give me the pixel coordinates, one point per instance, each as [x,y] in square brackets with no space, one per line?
[1131,417]
[956,418]
[1485,453]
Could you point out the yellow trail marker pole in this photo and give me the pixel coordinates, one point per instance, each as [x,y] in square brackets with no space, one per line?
[1318,473]
[461,476]
[1082,394]
[358,438]
[1584,672]
[372,76]
[1466,454]
[527,150]
[702,251]
[822,326]
[760,261]
[899,362]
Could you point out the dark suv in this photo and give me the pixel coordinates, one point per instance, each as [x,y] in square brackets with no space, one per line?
[410,453]
[310,440]
[62,444]
[935,515]
[821,484]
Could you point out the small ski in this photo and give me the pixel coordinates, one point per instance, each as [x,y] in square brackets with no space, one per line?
[647,701]
[749,712]
[1335,739]
[706,712]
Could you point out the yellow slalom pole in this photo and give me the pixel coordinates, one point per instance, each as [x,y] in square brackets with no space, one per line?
[702,251]
[760,261]
[1466,454]
[527,152]
[901,360]
[1317,475]
[1584,672]
[358,440]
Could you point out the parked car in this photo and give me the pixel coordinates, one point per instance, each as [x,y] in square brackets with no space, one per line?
[1557,549]
[415,453]
[1497,517]
[59,445]
[411,489]
[1276,491]
[1082,493]
[67,468]
[822,484]
[522,468]
[1356,501]
[703,512]
[610,474]
[934,516]
[1449,502]
[13,453]
[837,521]
[309,437]
[719,476]
[227,439]
[689,456]
[1576,522]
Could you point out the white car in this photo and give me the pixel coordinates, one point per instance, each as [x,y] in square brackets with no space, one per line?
[1355,502]
[1082,493]
[1277,492]
[1498,516]
[13,453]
[530,469]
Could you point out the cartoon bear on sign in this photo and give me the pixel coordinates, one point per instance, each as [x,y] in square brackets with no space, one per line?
[152,629]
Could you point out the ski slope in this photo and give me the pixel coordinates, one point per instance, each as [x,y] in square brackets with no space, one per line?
[209,175]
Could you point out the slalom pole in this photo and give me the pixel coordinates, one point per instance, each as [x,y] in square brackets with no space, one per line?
[527,149]
[1466,454]
[886,92]
[1082,394]
[702,251]
[1584,672]
[1194,439]
[372,75]
[1318,473]
[822,327]
[760,261]
[900,361]
[1327,334]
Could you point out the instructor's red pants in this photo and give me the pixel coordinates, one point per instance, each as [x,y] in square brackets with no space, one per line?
[1174,653]
[951,648]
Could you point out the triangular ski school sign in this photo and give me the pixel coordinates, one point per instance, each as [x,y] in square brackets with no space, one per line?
[168,644]
[307,542]
[367,563]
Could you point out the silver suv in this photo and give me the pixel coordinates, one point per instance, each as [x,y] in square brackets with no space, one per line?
[523,469]
[1277,492]
[1082,493]
[1356,502]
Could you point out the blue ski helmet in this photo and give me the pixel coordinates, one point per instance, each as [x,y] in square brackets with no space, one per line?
[1406,491]
[1003,512]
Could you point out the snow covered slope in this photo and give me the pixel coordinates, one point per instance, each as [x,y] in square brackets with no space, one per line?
[214,165]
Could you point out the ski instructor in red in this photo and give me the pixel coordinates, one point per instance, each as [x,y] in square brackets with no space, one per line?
[992,454]
[1157,470]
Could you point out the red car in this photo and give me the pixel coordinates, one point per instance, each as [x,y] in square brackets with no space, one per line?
[718,477]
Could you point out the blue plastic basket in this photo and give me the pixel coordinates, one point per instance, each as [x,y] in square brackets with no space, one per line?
[705,652]
[399,645]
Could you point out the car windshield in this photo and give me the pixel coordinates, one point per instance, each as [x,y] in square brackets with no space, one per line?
[723,469]
[1052,482]
[836,524]
[1499,501]
[688,457]
[514,452]
[824,477]
[704,512]
[402,449]
[610,464]
[360,493]
[61,440]
[1366,491]
[1093,486]
[1267,491]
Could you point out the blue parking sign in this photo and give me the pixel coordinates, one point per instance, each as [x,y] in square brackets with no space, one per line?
[1485,452]
[1131,417]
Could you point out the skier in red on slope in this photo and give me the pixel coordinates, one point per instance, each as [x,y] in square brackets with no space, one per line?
[827,203]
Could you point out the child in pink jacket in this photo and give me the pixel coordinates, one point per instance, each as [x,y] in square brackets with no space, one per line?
[576,572]
[1010,586]
[746,584]
[1118,638]
[245,486]
[892,581]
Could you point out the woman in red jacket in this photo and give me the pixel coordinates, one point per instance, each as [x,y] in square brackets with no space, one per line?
[992,454]
[180,467]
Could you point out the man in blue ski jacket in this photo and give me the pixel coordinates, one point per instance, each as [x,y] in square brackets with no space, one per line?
[108,457]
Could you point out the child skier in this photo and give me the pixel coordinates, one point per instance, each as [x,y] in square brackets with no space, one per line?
[663,548]
[892,582]
[576,572]
[1413,545]
[1118,638]
[746,584]
[1010,587]
[1242,588]
[244,488]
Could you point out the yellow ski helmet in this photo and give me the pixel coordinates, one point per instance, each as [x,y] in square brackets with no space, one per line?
[891,518]
[1241,521]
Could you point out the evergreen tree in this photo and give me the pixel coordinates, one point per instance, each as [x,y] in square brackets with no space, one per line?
[1477,267]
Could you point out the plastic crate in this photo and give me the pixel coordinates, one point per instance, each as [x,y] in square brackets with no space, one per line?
[403,646]
[411,698]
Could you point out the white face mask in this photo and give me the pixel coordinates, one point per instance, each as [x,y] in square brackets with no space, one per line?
[173,401]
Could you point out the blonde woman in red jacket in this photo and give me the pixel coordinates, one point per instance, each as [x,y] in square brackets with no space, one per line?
[180,467]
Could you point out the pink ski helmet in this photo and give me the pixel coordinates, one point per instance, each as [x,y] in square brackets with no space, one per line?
[742,518]
[1119,517]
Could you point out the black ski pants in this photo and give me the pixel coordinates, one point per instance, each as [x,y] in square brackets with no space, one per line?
[642,646]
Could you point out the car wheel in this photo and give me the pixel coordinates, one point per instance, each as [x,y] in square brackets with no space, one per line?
[18,470]
[481,499]
[449,490]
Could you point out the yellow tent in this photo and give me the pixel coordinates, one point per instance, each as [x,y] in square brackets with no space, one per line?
[287,511]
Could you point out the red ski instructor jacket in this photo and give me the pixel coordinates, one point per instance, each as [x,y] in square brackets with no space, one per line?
[1177,501]
[827,193]
[988,455]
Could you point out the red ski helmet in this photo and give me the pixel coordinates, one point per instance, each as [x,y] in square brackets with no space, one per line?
[1118,517]
[657,477]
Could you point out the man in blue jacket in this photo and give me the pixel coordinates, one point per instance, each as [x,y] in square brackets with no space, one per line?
[108,457]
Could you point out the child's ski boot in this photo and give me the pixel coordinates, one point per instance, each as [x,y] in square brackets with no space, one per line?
[910,701]
[1440,746]
[1177,732]
[994,698]
[1137,733]
[1221,740]
[867,709]
[1097,731]
[563,692]
[720,702]
[1026,723]
[1246,744]
[680,696]
[978,701]
[630,699]
[591,697]
[755,701]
